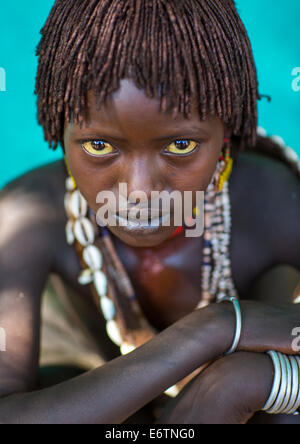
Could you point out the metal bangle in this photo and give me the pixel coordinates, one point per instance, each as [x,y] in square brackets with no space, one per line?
[275,409]
[285,394]
[288,384]
[294,386]
[276,382]
[238,328]
[297,402]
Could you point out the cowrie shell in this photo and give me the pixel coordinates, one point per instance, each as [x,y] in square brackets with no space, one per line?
[86,277]
[126,348]
[291,154]
[84,231]
[78,205]
[113,332]
[70,184]
[172,391]
[279,140]
[100,282]
[261,131]
[108,308]
[297,300]
[67,199]
[69,233]
[92,257]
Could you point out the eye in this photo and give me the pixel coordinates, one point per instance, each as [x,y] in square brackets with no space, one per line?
[97,147]
[182,146]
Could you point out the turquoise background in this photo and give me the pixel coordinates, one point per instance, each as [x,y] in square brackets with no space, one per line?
[274,31]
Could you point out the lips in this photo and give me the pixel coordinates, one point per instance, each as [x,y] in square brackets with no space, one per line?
[144,215]
[144,220]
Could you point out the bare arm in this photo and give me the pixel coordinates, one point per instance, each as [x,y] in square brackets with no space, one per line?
[112,393]
[118,389]
[115,391]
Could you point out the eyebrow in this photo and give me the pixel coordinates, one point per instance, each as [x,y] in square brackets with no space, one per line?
[94,133]
[184,133]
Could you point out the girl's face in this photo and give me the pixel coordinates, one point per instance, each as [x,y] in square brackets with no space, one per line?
[130,141]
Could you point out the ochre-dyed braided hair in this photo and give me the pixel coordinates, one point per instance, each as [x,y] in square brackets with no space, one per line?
[175,50]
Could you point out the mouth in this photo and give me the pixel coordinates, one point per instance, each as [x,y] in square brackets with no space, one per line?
[144,224]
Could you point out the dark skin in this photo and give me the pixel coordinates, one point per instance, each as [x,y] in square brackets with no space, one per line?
[165,274]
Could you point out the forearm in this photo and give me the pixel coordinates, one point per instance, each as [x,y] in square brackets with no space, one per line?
[118,389]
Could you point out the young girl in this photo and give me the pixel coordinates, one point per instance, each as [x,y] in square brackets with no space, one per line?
[159,95]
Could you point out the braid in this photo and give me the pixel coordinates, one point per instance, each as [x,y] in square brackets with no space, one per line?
[175,50]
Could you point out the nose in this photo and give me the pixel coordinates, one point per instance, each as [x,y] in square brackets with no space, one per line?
[142,178]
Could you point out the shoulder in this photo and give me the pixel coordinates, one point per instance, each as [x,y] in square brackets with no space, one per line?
[263,168]
[35,194]
[263,181]
[266,195]
[31,208]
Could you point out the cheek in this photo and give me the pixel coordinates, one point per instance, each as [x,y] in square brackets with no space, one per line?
[90,177]
[197,175]
[90,184]
[208,168]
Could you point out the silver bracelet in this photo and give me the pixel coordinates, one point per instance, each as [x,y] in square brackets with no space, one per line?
[276,382]
[276,407]
[288,392]
[285,393]
[238,327]
[295,409]
[295,385]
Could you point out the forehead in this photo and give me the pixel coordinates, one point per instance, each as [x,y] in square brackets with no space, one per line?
[130,107]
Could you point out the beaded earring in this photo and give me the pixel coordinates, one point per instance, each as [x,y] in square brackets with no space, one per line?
[224,167]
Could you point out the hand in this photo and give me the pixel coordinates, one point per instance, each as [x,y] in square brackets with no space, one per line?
[268,327]
[229,391]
